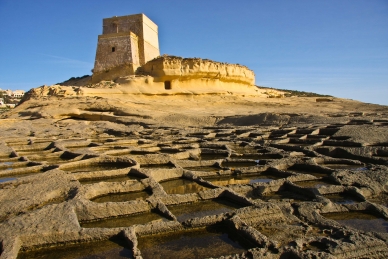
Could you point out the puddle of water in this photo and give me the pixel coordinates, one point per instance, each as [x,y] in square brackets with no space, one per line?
[342,198]
[169,151]
[283,195]
[314,183]
[301,144]
[242,179]
[52,160]
[14,177]
[360,220]
[114,249]
[122,197]
[7,179]
[246,156]
[316,246]
[184,212]
[141,152]
[6,164]
[110,179]
[157,166]
[14,165]
[181,186]
[105,149]
[203,168]
[196,244]
[307,171]
[33,152]
[256,156]
[382,199]
[123,221]
[120,153]
[344,166]
[213,156]
[97,167]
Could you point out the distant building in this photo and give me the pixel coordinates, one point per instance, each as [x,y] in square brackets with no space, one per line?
[7,92]
[1,101]
[18,94]
[13,94]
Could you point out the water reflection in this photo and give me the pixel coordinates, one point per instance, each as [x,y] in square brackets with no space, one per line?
[307,171]
[123,221]
[342,198]
[360,220]
[15,177]
[241,179]
[314,183]
[7,179]
[202,209]
[198,244]
[203,168]
[344,166]
[284,195]
[214,156]
[157,166]
[382,199]
[114,249]
[182,186]
[97,167]
[14,165]
[122,197]
[109,179]
[232,164]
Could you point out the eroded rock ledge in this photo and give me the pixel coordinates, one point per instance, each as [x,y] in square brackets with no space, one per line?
[165,75]
[176,68]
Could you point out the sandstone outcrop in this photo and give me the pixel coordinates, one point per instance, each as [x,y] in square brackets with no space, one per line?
[168,68]
[166,75]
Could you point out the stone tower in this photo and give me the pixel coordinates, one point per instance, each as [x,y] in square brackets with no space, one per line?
[126,43]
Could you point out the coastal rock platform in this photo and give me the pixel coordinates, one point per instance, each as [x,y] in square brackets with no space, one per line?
[219,176]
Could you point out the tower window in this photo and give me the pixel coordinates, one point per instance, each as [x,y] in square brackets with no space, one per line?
[167,85]
[113,49]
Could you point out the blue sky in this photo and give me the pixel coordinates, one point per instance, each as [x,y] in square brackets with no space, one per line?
[336,47]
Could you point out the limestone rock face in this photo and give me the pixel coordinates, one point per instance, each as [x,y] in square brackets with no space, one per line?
[165,75]
[167,68]
[53,90]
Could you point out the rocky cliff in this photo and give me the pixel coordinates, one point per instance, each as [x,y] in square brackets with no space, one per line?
[176,68]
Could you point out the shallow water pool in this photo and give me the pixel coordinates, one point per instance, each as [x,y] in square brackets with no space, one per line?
[196,244]
[360,220]
[181,186]
[93,250]
[184,212]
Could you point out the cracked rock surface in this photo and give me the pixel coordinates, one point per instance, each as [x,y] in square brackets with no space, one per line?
[193,177]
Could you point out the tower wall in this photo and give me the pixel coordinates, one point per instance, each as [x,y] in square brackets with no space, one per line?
[149,45]
[127,43]
[122,49]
